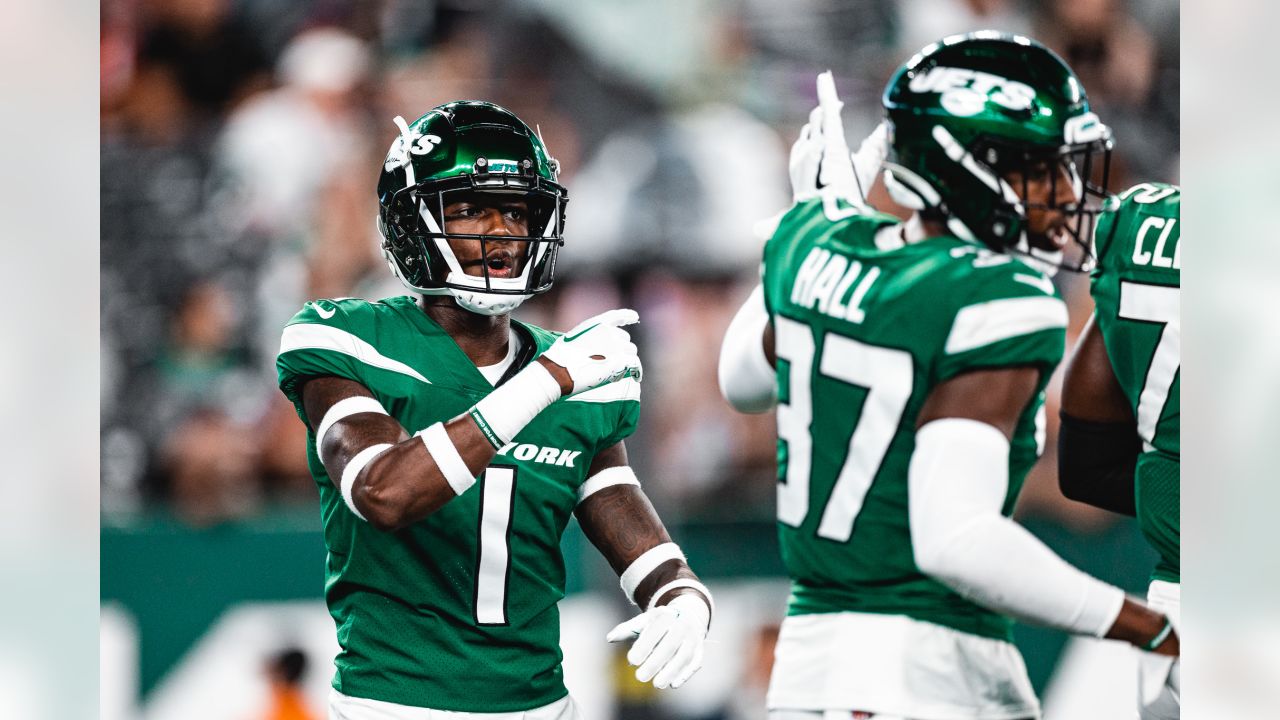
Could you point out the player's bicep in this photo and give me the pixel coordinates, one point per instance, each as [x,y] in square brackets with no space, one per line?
[996,396]
[346,419]
[1090,390]
[1098,443]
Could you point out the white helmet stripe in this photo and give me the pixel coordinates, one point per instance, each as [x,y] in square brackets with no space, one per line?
[903,184]
[960,230]
[957,153]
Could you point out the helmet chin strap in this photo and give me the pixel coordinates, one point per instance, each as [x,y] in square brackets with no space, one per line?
[483,303]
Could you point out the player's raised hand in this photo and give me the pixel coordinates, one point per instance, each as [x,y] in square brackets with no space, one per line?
[806,159]
[820,158]
[836,171]
[596,352]
[668,640]
[868,160]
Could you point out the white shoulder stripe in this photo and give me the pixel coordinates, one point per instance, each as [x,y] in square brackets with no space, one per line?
[989,322]
[624,389]
[312,336]
[1039,282]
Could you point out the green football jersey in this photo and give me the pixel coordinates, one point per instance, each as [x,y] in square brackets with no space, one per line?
[457,611]
[1136,288]
[865,327]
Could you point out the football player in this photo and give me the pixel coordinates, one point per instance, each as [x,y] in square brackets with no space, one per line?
[451,444]
[908,363]
[1119,440]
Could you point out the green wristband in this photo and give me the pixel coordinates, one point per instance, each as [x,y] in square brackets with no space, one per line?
[1160,636]
[487,431]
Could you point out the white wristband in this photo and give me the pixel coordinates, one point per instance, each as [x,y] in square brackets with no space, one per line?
[642,566]
[352,470]
[445,453]
[503,413]
[608,477]
[342,409]
[682,583]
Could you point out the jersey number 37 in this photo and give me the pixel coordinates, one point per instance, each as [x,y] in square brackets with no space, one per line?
[887,375]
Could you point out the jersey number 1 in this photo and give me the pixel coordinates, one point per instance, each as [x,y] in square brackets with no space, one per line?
[888,376]
[498,488]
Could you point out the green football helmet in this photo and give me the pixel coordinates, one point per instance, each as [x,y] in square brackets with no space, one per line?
[972,110]
[456,149]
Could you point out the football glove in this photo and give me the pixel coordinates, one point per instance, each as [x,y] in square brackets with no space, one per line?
[820,158]
[668,640]
[598,351]
[806,159]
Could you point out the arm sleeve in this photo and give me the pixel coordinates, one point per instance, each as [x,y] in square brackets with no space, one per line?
[747,379]
[957,483]
[1096,463]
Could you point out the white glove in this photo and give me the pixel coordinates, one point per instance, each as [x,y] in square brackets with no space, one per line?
[669,639]
[869,158]
[598,351]
[806,159]
[820,159]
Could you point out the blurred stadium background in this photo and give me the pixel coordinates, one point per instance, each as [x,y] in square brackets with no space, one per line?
[240,142]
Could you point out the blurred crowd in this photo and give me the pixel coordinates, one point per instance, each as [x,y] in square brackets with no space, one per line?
[241,141]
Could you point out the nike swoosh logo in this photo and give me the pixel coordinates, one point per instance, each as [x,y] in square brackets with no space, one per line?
[320,311]
[580,333]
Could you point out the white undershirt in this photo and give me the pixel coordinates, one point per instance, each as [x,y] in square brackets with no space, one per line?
[494,372]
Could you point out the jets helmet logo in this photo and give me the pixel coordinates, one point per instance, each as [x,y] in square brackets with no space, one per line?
[966,92]
[408,142]
[400,152]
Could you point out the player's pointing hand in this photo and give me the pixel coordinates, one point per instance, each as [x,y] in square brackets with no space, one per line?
[596,352]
